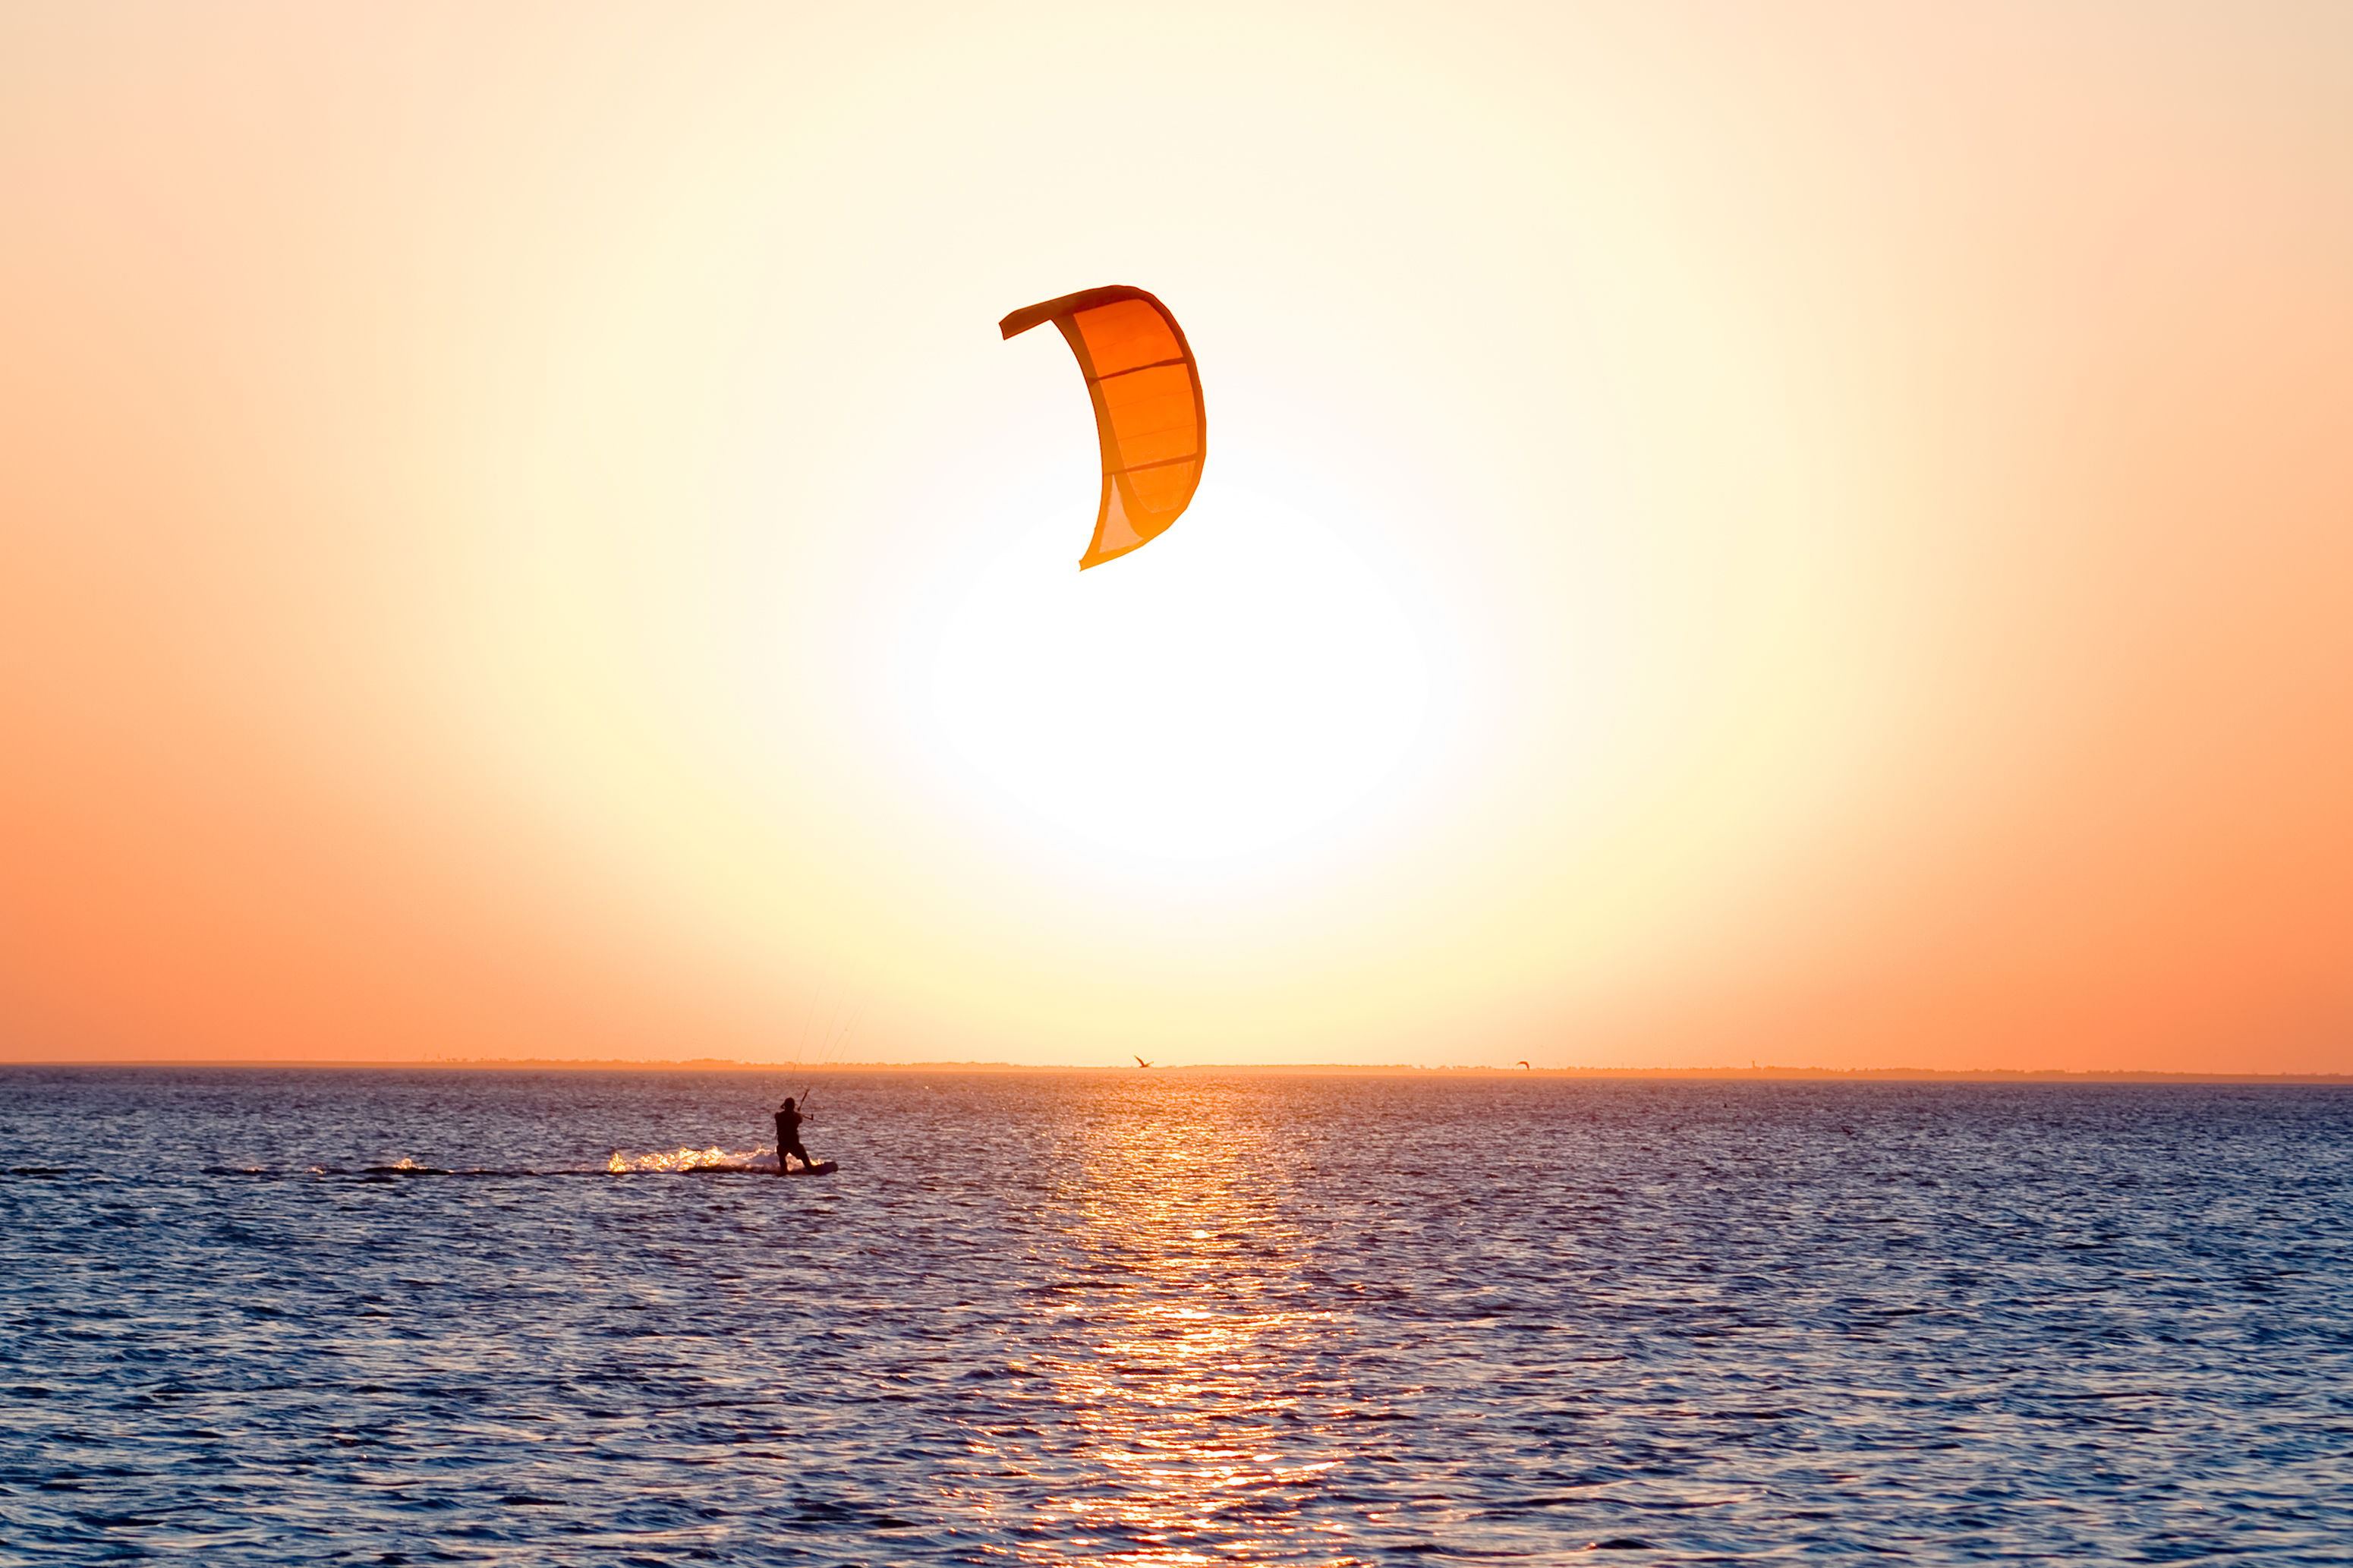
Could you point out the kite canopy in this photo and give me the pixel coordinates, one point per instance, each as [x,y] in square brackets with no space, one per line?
[1147,398]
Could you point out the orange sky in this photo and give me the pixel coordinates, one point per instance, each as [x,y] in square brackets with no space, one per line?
[1819,533]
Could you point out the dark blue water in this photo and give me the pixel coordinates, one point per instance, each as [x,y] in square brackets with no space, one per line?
[1168,1320]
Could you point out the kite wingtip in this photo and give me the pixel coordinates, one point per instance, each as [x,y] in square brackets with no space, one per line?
[1030,316]
[1044,311]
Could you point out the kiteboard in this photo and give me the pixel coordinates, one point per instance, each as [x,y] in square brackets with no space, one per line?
[827,1169]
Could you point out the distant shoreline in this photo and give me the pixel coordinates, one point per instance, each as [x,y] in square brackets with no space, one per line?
[1282,1070]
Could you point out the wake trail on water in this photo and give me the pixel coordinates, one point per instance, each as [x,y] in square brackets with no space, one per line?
[715,1160]
[682,1162]
[691,1160]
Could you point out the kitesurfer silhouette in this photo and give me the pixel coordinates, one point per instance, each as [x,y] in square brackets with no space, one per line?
[788,1139]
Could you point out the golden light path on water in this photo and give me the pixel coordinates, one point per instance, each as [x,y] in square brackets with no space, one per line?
[1186,1273]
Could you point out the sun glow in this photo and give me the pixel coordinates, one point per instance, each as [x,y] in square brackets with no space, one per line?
[523,536]
[1249,688]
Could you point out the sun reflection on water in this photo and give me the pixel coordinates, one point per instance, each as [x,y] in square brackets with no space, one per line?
[1181,1275]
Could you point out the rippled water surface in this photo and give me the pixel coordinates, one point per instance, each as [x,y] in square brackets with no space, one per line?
[1169,1319]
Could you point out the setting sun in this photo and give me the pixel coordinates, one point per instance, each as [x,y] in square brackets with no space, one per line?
[1250,693]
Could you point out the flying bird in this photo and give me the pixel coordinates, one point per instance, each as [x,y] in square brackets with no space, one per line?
[1142,1063]
[1148,416]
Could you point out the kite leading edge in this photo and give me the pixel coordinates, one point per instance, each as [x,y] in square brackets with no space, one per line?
[1148,416]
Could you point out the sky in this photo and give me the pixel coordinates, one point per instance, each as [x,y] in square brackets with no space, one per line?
[1818,533]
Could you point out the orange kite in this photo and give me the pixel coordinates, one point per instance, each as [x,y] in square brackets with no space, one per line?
[1149,417]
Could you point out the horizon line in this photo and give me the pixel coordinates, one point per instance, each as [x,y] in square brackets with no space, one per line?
[1766,1072]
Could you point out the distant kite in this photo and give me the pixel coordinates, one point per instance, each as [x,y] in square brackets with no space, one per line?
[1149,417]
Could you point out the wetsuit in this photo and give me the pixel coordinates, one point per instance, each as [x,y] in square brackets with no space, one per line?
[789,1137]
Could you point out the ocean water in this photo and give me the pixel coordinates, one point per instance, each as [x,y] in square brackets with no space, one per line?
[277,1318]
